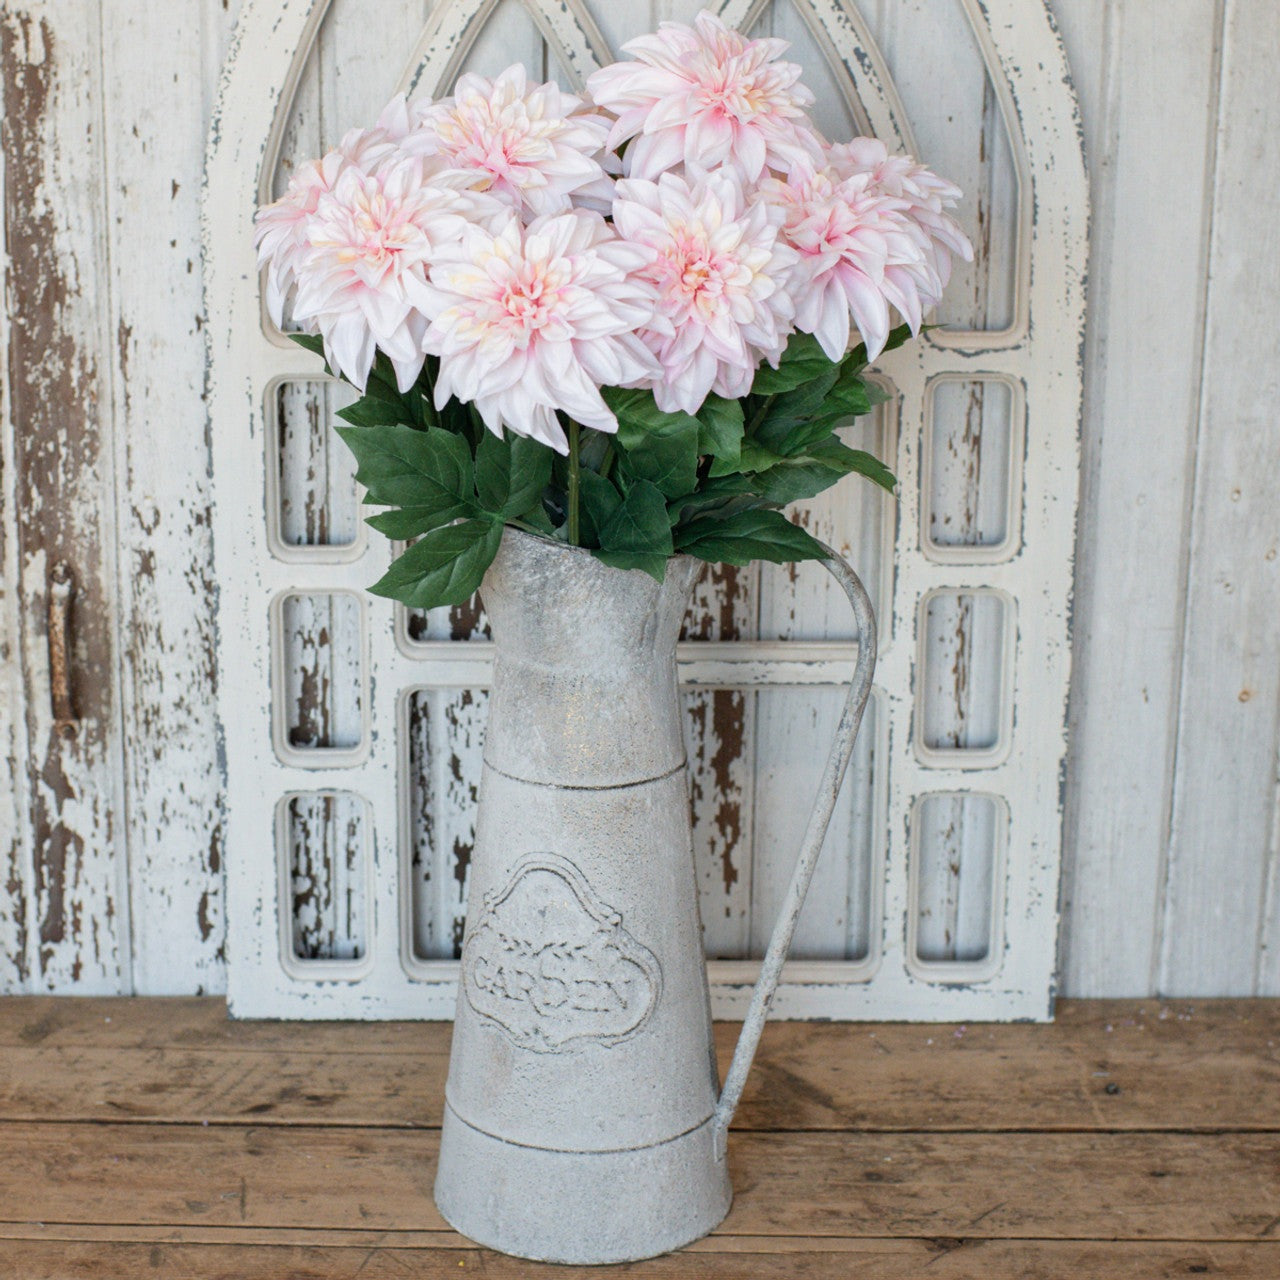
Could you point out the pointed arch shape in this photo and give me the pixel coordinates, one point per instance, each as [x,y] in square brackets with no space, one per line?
[1038,355]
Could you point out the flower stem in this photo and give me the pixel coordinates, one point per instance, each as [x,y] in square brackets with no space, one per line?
[575,469]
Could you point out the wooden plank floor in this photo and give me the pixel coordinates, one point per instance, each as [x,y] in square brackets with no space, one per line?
[1128,1140]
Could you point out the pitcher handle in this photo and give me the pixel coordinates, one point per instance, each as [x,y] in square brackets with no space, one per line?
[783,932]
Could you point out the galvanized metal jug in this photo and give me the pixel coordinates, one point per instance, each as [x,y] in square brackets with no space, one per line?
[583,1119]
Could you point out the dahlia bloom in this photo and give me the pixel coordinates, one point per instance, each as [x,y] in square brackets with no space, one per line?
[924,198]
[847,236]
[281,228]
[720,273]
[534,147]
[705,97]
[528,320]
[368,244]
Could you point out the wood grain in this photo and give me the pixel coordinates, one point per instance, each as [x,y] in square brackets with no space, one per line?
[1222,858]
[1062,1186]
[66,926]
[120,151]
[1114,1066]
[375,1258]
[1142,380]
[172,823]
[1075,1172]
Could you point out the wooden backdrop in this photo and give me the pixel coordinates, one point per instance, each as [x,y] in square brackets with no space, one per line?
[112,872]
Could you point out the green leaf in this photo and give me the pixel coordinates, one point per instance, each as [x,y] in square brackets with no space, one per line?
[722,495]
[802,361]
[747,536]
[793,407]
[803,435]
[654,565]
[511,474]
[639,523]
[793,421]
[754,457]
[833,452]
[382,402]
[639,416]
[426,472]
[537,518]
[897,337]
[594,448]
[403,523]
[444,567]
[456,417]
[821,465]
[791,481]
[598,500]
[659,447]
[374,411]
[312,342]
[850,394]
[668,459]
[720,429]
[638,534]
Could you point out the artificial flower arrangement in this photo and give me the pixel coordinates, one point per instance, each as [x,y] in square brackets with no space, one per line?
[622,320]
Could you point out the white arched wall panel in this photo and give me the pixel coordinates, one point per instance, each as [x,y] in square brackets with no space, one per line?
[1015,786]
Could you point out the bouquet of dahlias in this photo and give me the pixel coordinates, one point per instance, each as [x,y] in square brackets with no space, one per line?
[624,320]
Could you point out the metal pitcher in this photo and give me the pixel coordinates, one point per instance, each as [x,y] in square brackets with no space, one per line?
[584,1122]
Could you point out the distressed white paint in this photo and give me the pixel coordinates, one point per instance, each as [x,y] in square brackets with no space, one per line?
[1148,77]
[1148,74]
[171,825]
[67,926]
[259,653]
[1216,909]
[15,835]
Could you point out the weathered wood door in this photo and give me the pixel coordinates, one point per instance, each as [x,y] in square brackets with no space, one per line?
[353,730]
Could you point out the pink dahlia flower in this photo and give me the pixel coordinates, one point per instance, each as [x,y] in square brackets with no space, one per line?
[532,146]
[281,228]
[846,235]
[368,246]
[706,96]
[530,320]
[924,198]
[720,273]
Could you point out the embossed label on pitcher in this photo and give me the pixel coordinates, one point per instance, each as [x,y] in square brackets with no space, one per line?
[550,964]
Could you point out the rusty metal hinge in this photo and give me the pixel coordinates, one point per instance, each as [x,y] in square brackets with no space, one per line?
[62,588]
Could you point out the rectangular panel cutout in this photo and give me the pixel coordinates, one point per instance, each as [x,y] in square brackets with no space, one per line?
[971,478]
[841,918]
[441,759]
[964,700]
[459,622]
[319,687]
[755,758]
[956,907]
[314,510]
[326,881]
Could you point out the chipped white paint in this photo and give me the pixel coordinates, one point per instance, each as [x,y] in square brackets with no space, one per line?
[1158,85]
[1170,810]
[1229,659]
[1035,352]
[1147,76]
[66,926]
